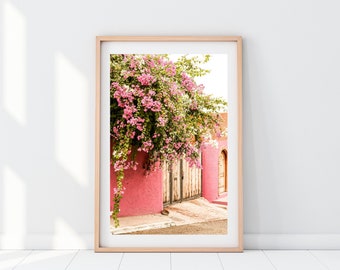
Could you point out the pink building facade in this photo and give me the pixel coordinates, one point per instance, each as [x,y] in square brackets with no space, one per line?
[144,193]
[210,171]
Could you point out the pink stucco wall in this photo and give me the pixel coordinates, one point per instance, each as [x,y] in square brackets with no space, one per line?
[143,194]
[210,156]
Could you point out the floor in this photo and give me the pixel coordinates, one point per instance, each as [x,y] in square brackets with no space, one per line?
[250,259]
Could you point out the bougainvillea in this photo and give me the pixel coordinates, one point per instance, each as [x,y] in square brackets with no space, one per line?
[157,107]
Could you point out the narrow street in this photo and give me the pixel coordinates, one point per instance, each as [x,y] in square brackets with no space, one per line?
[196,216]
[210,227]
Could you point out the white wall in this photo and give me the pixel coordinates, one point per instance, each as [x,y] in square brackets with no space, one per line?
[291,126]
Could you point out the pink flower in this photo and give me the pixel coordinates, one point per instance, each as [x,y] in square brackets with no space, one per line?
[193,105]
[177,118]
[133,166]
[187,82]
[151,63]
[200,88]
[194,162]
[171,69]
[147,102]
[122,94]
[147,146]
[141,120]
[145,79]
[128,111]
[115,130]
[133,63]
[126,74]
[132,135]
[118,165]
[174,90]
[162,121]
[178,145]
[133,121]
[156,106]
[117,191]
[138,92]
[161,62]
[139,127]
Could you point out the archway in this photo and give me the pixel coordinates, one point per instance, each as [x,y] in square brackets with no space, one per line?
[223,172]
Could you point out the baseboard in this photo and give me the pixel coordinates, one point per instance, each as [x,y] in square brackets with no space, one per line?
[251,241]
[292,241]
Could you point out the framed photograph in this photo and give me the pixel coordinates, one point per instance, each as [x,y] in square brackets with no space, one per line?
[168,158]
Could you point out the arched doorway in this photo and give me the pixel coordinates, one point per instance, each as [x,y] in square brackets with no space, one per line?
[223,172]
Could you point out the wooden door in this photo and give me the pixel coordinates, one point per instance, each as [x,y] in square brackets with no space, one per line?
[166,182]
[222,172]
[176,178]
[192,182]
[180,182]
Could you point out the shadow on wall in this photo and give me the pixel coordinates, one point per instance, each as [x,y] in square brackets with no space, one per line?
[46,140]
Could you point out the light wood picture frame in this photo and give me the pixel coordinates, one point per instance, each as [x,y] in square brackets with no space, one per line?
[146,213]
